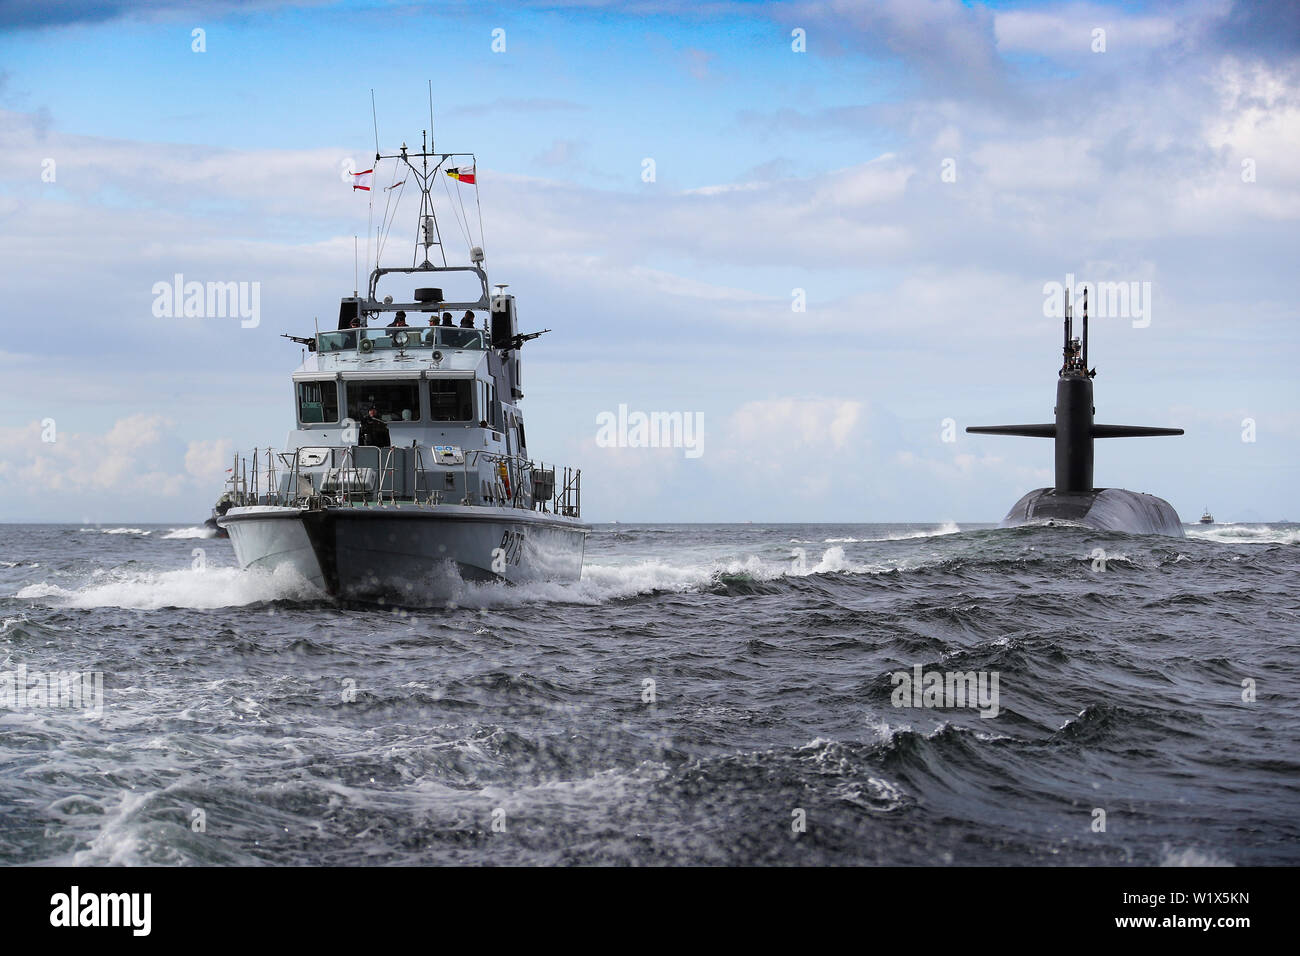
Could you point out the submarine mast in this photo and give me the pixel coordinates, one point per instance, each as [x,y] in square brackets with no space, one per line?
[1074,428]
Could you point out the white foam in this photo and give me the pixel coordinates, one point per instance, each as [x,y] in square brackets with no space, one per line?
[599,583]
[139,531]
[149,590]
[610,582]
[120,841]
[1191,856]
[196,532]
[948,527]
[1245,534]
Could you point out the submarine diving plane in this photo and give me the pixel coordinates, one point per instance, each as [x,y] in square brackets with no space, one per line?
[1073,500]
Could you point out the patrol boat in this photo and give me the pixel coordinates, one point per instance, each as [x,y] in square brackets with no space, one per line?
[1074,500]
[449,494]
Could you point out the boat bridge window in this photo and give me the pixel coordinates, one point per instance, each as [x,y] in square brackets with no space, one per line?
[382,338]
[460,338]
[318,402]
[451,399]
[336,341]
[395,401]
[488,405]
[399,337]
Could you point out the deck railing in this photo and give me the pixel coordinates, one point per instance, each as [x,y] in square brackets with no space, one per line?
[393,476]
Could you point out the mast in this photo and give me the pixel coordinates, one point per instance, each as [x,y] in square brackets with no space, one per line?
[1085,329]
[425,166]
[1069,330]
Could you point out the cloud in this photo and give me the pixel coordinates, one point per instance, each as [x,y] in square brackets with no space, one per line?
[697,63]
[796,421]
[112,462]
[138,458]
[950,44]
[207,460]
[1066,31]
[801,445]
[1262,28]
[561,152]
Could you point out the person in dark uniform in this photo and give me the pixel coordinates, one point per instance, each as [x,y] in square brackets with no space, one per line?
[374,431]
[399,322]
[467,320]
[446,319]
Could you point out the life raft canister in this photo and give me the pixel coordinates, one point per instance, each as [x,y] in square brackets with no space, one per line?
[504,475]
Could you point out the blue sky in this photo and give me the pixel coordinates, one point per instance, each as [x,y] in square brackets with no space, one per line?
[776,171]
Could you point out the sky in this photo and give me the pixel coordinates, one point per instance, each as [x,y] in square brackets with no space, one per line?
[844,256]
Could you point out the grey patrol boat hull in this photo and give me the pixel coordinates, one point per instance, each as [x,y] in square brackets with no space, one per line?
[1105,509]
[409,555]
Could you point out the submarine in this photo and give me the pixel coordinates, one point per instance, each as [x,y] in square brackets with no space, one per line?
[1074,500]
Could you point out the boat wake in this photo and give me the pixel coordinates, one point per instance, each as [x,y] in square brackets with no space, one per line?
[230,587]
[151,590]
[601,583]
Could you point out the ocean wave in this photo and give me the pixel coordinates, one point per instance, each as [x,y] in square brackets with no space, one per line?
[232,587]
[1245,534]
[948,527]
[196,532]
[601,583]
[1190,856]
[150,590]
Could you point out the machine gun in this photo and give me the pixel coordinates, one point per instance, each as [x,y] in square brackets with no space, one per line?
[301,340]
[520,339]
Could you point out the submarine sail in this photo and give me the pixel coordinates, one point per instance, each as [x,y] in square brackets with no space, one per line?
[1073,499]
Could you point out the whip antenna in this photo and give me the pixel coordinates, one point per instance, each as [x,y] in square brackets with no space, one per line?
[431,114]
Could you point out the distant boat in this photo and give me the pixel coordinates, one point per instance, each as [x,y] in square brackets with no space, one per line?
[219,511]
[1206,517]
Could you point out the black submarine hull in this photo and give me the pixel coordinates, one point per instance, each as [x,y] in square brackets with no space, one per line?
[1105,509]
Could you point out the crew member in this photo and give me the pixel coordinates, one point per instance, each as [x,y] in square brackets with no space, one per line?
[399,322]
[467,320]
[446,319]
[374,431]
